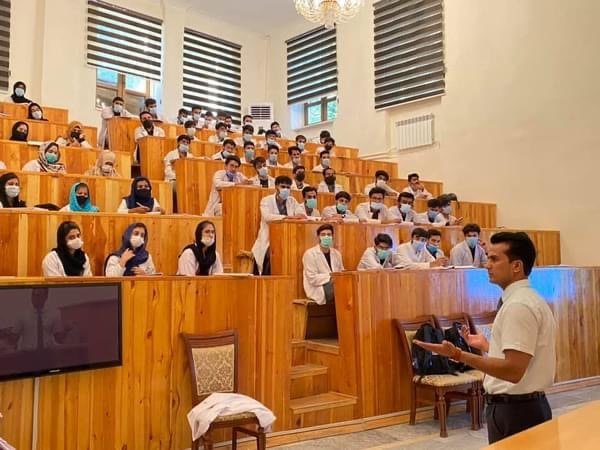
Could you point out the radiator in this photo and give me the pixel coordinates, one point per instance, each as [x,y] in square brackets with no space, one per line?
[415,132]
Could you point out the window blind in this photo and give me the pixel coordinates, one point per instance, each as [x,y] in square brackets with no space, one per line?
[124,40]
[4,44]
[312,65]
[212,74]
[409,51]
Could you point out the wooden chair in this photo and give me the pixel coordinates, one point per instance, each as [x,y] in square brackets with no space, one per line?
[482,323]
[441,385]
[213,362]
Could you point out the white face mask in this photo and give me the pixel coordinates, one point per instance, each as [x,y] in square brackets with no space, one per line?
[106,168]
[75,244]
[222,134]
[117,109]
[37,115]
[191,132]
[207,241]
[405,208]
[136,241]
[418,246]
[12,191]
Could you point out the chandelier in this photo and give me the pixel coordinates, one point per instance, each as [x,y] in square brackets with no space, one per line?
[328,12]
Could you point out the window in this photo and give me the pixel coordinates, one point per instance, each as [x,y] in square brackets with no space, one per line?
[4,44]
[132,88]
[212,74]
[409,51]
[321,110]
[312,67]
[124,41]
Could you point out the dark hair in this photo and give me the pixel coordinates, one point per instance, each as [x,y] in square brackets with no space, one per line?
[297,168]
[14,129]
[444,200]
[30,106]
[383,238]
[221,125]
[272,147]
[228,117]
[117,98]
[382,173]
[182,110]
[248,128]
[208,114]
[471,228]
[433,232]
[328,168]
[249,143]
[274,123]
[329,139]
[433,203]
[308,189]
[61,232]
[405,195]
[283,179]
[520,247]
[182,137]
[412,175]
[144,112]
[325,226]
[323,153]
[4,199]
[300,136]
[292,148]
[48,206]
[376,190]
[189,124]
[246,116]
[197,107]
[258,160]
[228,142]
[149,101]
[419,232]
[324,134]
[343,194]
[233,158]
[270,132]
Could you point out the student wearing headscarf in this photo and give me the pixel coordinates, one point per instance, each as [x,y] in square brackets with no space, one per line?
[10,188]
[20,132]
[67,259]
[35,112]
[140,200]
[201,257]
[105,165]
[80,199]
[18,95]
[48,160]
[132,258]
[74,137]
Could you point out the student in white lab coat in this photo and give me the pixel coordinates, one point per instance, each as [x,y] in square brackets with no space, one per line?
[116,109]
[220,135]
[299,173]
[201,258]
[181,152]
[270,139]
[227,151]
[446,212]
[341,210]
[183,115]
[247,134]
[414,255]
[318,263]
[309,206]
[471,251]
[190,130]
[276,206]
[324,162]
[67,259]
[381,180]
[403,213]
[276,128]
[434,243]
[198,118]
[273,156]
[328,146]
[379,256]
[416,188]
[132,259]
[262,177]
[228,177]
[432,216]
[374,209]
[249,153]
[147,128]
[140,200]
[328,184]
[151,106]
[301,142]
[295,160]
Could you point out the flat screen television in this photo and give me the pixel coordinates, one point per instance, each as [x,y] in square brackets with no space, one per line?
[50,329]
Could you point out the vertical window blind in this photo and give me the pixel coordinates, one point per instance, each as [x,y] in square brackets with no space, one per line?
[409,51]
[4,44]
[124,40]
[212,74]
[312,65]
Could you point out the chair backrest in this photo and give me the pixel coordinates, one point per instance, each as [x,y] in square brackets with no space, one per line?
[445,322]
[481,323]
[406,332]
[213,362]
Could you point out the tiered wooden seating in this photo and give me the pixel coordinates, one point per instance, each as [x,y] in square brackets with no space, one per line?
[121,132]
[19,111]
[153,151]
[16,154]
[45,131]
[359,182]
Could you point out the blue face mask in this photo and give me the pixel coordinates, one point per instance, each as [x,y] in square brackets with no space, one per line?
[311,203]
[405,208]
[432,249]
[19,92]
[51,157]
[300,145]
[342,208]
[284,193]
[273,159]
[472,241]
[432,215]
[263,172]
[376,206]
[418,246]
[249,155]
[383,254]
[326,241]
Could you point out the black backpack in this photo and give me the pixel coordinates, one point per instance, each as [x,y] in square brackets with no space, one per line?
[424,362]
[452,335]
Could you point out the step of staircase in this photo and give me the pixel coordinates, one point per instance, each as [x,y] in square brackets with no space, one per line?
[321,402]
[307,370]
[308,380]
[298,352]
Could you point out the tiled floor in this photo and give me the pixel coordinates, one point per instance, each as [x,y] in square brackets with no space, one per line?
[425,435]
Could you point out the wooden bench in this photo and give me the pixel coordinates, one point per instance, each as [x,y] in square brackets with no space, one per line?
[45,131]
[19,111]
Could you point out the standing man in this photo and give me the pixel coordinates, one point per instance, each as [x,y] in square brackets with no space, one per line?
[521,360]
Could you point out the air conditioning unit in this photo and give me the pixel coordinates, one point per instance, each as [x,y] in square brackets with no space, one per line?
[262,114]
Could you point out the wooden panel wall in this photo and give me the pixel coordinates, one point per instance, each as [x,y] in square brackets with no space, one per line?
[45,131]
[19,111]
[153,151]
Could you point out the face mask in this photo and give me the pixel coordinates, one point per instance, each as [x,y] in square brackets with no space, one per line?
[147,124]
[284,193]
[247,138]
[143,193]
[19,92]
[300,176]
[51,157]
[75,134]
[12,191]
[263,172]
[191,132]
[300,145]
[222,134]
[295,161]
[75,244]
[271,142]
[249,155]
[472,241]
[405,208]
[227,153]
[432,215]
[207,241]
[325,162]
[311,203]
[152,109]
[383,254]
[182,119]
[184,148]
[447,209]
[117,109]
[273,159]
[380,183]
[81,199]
[418,246]
[248,122]
[20,136]
[432,249]
[330,179]
[37,115]
[197,116]
[342,208]
[106,168]
[376,206]
[136,241]
[230,175]
[326,241]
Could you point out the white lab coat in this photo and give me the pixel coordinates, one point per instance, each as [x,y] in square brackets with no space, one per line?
[141,132]
[407,258]
[363,211]
[215,139]
[52,266]
[316,271]
[324,188]
[439,254]
[220,180]
[290,165]
[385,186]
[461,255]
[370,260]
[295,186]
[256,181]
[318,168]
[218,157]
[188,264]
[62,142]
[124,210]
[107,114]
[269,213]
[425,194]
[394,213]
[330,211]
[114,269]
[423,219]
[173,155]
[301,209]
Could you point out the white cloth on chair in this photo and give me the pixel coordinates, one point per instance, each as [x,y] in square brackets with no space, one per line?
[220,404]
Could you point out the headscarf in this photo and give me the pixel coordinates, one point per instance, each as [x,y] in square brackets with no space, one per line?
[207,257]
[133,198]
[4,199]
[44,164]
[72,263]
[70,127]
[13,137]
[30,116]
[74,204]
[141,254]
[14,96]
[105,156]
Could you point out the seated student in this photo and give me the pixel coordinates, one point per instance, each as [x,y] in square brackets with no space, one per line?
[276,206]
[301,142]
[432,216]
[105,165]
[247,133]
[446,212]
[74,137]
[276,128]
[230,125]
[374,209]
[471,251]
[147,129]
[273,156]
[67,259]
[227,151]
[201,258]
[209,121]
[403,212]
[221,134]
[35,112]
[381,180]
[182,116]
[20,132]
[249,153]
[295,160]
[197,117]
[190,130]
[434,243]
[116,109]
[324,134]
[309,207]
[299,173]
[328,146]
[270,139]
[48,160]
[10,188]
[341,209]
[262,177]
[324,162]
[228,177]
[140,200]
[221,116]
[414,255]
[416,188]
[379,256]
[328,184]
[248,120]
[318,263]
[18,95]
[151,106]
[80,199]
[132,258]
[181,152]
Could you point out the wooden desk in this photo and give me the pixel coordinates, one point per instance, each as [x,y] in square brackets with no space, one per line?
[19,111]
[153,151]
[121,132]
[359,182]
[347,152]
[45,131]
